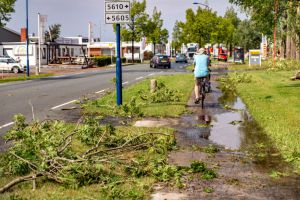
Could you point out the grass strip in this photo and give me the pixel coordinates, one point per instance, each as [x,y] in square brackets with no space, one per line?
[274,102]
[24,78]
[183,83]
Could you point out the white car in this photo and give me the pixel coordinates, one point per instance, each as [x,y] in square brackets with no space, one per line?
[9,64]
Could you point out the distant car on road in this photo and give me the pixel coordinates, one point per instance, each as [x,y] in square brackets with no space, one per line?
[160,61]
[181,58]
[9,64]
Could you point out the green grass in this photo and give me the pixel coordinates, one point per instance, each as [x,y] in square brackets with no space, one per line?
[183,83]
[23,78]
[274,102]
[282,65]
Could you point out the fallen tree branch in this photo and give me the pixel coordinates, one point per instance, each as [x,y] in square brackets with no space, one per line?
[24,160]
[20,180]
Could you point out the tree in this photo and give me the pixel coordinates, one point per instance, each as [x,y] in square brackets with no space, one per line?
[177,35]
[135,29]
[232,18]
[157,34]
[53,33]
[6,7]
[248,38]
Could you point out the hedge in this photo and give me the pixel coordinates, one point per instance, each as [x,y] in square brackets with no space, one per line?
[101,61]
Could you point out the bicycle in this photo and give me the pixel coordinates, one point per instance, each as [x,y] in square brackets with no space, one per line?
[204,87]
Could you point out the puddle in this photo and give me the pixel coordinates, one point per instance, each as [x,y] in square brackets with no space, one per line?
[226,127]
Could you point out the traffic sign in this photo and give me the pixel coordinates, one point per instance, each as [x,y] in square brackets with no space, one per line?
[117,18]
[117,12]
[117,6]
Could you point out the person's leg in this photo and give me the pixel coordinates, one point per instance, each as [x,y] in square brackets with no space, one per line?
[197,90]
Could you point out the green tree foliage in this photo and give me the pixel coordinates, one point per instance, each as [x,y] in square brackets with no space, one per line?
[135,29]
[234,21]
[53,33]
[177,35]
[156,33]
[6,7]
[247,35]
[204,26]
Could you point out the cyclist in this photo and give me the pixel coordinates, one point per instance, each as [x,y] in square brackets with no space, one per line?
[201,71]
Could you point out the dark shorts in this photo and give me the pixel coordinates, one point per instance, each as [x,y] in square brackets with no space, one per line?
[198,80]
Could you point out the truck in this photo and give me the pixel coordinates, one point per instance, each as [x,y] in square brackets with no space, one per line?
[220,53]
[191,50]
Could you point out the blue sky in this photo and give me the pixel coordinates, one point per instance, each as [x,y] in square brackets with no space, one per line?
[74,15]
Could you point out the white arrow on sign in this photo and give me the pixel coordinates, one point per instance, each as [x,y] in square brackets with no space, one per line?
[117,18]
[117,6]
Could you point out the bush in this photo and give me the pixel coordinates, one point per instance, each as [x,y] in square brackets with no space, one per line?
[148,55]
[101,61]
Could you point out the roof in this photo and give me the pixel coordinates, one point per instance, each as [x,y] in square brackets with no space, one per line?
[10,30]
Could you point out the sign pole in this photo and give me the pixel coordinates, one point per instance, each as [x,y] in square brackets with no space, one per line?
[119,66]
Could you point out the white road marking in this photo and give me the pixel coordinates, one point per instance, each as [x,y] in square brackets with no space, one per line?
[61,105]
[125,83]
[139,78]
[6,125]
[150,74]
[101,91]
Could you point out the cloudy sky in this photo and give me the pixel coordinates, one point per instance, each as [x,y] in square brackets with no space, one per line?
[74,15]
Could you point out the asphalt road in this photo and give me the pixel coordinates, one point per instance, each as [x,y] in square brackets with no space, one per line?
[43,95]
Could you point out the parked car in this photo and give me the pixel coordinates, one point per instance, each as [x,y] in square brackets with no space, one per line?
[181,58]
[9,64]
[160,61]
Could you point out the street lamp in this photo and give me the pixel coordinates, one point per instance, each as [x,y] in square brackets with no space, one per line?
[202,4]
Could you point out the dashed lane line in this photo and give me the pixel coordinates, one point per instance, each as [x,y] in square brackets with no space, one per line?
[101,91]
[61,105]
[139,78]
[125,83]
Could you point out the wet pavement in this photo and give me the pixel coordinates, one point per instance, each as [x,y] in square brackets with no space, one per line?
[244,163]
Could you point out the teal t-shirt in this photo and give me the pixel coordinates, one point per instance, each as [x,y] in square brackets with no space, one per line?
[201,65]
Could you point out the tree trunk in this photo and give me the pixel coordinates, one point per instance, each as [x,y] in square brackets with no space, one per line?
[288,46]
[293,49]
[154,48]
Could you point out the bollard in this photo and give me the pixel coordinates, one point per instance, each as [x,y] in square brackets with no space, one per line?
[153,86]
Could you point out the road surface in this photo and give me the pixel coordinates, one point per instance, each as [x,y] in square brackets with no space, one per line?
[52,93]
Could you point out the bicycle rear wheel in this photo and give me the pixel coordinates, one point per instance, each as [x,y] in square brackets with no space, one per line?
[202,94]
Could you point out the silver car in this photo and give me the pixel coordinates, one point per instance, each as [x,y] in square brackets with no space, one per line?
[9,64]
[181,58]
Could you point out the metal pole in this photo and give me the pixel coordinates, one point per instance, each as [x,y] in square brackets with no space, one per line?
[119,66]
[27,41]
[39,32]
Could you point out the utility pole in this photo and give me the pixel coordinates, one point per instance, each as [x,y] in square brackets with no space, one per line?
[27,41]
[38,68]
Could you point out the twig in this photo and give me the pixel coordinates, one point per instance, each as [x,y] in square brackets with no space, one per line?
[124,145]
[20,180]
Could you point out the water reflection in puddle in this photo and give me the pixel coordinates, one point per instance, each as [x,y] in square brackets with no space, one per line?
[226,127]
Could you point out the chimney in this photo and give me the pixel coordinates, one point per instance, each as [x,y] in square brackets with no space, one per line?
[23,34]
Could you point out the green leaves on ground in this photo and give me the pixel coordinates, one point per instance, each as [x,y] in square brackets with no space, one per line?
[173,93]
[162,94]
